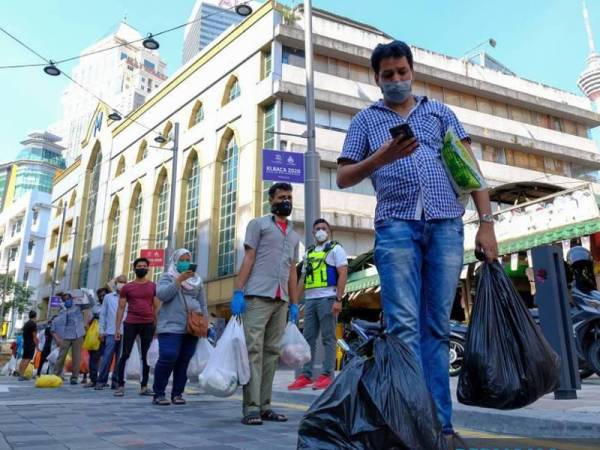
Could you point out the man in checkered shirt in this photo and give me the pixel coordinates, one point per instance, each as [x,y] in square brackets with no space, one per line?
[418,224]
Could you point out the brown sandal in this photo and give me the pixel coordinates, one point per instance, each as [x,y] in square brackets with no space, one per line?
[252,419]
[272,416]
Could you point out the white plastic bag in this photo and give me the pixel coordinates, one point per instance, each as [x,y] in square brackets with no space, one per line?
[53,356]
[9,368]
[295,351]
[228,366]
[152,356]
[133,367]
[198,362]
[41,340]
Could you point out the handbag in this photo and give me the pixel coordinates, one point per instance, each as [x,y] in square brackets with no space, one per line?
[197,325]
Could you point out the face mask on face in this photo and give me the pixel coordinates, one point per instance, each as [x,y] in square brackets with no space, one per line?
[120,286]
[183,266]
[141,273]
[396,91]
[321,236]
[283,208]
[69,303]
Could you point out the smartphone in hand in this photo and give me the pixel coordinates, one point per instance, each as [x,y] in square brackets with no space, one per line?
[403,131]
[193,267]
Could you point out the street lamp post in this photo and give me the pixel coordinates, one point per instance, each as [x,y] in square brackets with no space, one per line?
[173,191]
[312,198]
[58,251]
[171,237]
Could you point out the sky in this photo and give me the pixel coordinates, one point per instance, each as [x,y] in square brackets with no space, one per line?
[541,40]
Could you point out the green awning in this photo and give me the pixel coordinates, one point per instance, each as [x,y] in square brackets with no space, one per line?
[530,241]
[369,278]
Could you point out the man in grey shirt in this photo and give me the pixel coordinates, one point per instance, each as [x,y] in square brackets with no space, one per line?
[266,283]
[68,331]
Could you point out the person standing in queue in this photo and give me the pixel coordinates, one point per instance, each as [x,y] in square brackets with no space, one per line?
[265,285]
[112,347]
[323,281]
[95,355]
[30,341]
[68,332]
[139,296]
[418,218]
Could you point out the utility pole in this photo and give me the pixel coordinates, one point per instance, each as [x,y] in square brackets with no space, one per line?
[57,261]
[312,191]
[173,192]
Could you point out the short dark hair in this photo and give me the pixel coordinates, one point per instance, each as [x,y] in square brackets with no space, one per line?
[102,289]
[318,221]
[139,260]
[287,187]
[32,314]
[394,49]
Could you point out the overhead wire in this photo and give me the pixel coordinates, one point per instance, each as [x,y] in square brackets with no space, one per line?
[123,44]
[49,61]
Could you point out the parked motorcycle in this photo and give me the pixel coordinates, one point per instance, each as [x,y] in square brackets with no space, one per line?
[458,337]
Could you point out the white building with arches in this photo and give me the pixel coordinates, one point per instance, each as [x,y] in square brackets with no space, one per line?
[245,92]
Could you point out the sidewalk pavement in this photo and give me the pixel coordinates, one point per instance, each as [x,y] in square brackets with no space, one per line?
[547,417]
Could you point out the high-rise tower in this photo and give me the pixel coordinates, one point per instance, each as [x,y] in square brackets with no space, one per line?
[589,80]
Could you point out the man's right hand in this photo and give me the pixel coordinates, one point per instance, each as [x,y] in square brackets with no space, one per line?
[117,335]
[238,303]
[393,150]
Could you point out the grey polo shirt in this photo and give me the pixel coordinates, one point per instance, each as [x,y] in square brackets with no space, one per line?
[276,251]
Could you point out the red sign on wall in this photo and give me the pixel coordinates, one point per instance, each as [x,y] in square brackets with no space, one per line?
[155,256]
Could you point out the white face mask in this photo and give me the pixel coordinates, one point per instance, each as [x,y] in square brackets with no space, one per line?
[120,286]
[321,236]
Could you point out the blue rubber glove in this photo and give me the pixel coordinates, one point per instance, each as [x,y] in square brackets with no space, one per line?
[294,313]
[238,303]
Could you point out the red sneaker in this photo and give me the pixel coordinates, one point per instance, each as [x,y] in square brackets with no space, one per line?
[300,383]
[322,382]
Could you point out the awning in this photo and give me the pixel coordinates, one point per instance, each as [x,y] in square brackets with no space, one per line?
[366,280]
[530,241]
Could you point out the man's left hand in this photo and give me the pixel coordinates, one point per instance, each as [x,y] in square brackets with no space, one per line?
[486,241]
[336,309]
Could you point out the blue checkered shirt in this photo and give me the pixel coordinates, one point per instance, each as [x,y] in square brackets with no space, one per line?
[415,187]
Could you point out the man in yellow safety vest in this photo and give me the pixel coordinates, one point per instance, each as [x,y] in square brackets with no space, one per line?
[324,275]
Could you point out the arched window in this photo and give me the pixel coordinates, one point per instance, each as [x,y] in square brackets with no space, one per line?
[142,152]
[114,221]
[58,211]
[135,224]
[73,198]
[120,166]
[228,208]
[161,200]
[92,181]
[232,90]
[197,115]
[192,204]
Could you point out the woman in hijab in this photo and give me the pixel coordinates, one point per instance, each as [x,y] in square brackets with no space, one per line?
[180,291]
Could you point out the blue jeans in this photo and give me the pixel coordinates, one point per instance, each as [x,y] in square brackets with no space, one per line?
[419,265]
[174,354]
[111,348]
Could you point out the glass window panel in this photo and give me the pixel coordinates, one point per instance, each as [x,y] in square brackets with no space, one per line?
[484,105]
[500,109]
[135,231]
[468,101]
[343,69]
[114,236]
[227,221]
[294,112]
[340,121]
[452,97]
[320,63]
[436,92]
[90,219]
[162,216]
[322,118]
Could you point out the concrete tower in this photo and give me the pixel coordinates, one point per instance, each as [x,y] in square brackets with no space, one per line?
[589,80]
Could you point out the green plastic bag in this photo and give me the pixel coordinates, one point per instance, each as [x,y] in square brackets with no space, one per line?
[460,166]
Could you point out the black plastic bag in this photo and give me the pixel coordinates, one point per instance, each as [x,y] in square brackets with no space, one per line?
[508,363]
[379,401]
